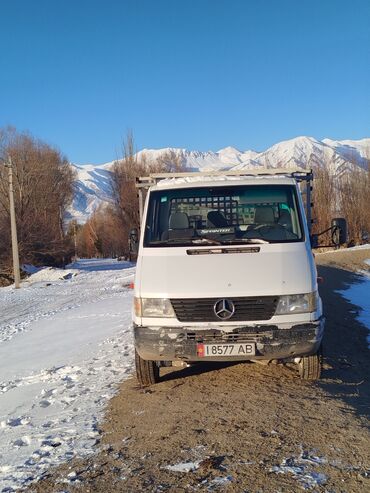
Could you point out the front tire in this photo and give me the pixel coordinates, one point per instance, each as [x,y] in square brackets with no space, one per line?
[310,367]
[147,372]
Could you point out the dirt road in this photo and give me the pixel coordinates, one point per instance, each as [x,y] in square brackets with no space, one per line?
[243,427]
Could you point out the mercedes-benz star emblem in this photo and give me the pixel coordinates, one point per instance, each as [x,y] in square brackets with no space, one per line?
[224,309]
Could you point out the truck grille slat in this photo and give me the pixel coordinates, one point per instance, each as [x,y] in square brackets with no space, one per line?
[246,309]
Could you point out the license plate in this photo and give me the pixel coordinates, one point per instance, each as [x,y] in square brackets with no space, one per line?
[219,350]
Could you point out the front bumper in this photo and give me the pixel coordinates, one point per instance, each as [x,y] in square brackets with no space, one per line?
[272,341]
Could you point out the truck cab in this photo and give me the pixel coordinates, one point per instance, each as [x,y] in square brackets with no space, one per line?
[225,271]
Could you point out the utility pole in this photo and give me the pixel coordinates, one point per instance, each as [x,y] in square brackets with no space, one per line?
[13,226]
[75,238]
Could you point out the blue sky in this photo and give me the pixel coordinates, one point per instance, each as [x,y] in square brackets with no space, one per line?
[200,74]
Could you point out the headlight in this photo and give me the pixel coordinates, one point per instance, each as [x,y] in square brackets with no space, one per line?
[297,303]
[153,307]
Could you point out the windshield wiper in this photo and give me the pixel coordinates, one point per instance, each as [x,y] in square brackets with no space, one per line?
[250,241]
[186,241]
[206,241]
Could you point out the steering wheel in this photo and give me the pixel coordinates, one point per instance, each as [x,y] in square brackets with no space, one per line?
[268,227]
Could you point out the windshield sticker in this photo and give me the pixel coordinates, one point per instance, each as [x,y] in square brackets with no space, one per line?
[216,231]
[164,199]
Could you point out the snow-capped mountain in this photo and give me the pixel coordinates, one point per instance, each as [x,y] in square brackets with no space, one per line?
[93,183]
[92,188]
[352,150]
[198,160]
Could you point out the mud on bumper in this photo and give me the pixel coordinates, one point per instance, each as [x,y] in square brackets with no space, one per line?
[272,341]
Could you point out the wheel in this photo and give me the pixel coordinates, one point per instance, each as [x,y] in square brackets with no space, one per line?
[310,367]
[147,372]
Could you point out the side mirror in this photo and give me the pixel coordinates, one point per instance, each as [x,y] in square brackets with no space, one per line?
[314,241]
[134,240]
[339,231]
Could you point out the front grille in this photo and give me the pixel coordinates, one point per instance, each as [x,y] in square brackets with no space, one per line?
[218,337]
[246,309]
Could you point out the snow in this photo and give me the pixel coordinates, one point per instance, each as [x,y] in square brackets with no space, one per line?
[29,268]
[341,250]
[65,344]
[351,149]
[184,466]
[360,247]
[93,185]
[49,274]
[359,294]
[301,468]
[219,481]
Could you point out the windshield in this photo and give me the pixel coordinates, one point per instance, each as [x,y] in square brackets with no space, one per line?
[223,215]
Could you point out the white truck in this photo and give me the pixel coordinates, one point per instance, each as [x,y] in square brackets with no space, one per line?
[225,271]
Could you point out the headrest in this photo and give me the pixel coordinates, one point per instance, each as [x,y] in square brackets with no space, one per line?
[285,220]
[178,220]
[217,219]
[264,214]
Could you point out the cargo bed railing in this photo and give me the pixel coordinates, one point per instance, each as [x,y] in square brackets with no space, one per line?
[300,175]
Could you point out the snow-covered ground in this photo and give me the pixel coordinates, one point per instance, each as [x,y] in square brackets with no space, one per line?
[359,294]
[64,346]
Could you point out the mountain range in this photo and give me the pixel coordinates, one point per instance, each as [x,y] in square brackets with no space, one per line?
[339,156]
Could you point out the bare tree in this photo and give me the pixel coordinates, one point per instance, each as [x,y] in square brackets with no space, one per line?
[345,196]
[43,189]
[125,172]
[170,162]
[354,197]
[325,203]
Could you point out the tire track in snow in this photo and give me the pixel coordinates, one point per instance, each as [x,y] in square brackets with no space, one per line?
[29,306]
[69,362]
